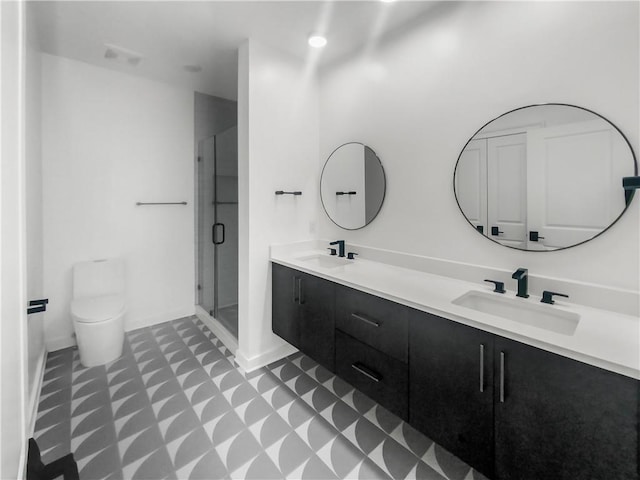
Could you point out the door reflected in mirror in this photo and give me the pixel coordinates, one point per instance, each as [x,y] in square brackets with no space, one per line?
[352,186]
[544,177]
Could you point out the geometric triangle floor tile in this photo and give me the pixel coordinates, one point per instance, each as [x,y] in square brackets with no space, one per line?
[175,405]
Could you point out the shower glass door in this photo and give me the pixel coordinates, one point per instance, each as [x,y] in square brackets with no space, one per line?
[218,228]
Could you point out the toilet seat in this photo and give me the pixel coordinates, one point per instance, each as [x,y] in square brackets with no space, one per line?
[97,309]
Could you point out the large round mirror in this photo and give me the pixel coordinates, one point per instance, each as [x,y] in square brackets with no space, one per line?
[352,186]
[544,177]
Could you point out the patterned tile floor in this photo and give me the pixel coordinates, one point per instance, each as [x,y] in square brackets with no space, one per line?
[174,406]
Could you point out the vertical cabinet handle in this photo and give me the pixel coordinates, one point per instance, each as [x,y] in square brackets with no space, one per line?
[300,296]
[481,368]
[501,377]
[296,296]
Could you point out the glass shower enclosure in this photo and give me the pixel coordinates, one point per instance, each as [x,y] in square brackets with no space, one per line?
[218,227]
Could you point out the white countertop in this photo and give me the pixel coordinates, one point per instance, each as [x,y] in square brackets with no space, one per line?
[603,338]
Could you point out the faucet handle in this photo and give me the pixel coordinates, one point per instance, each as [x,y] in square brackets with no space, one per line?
[547,296]
[350,255]
[499,285]
[332,251]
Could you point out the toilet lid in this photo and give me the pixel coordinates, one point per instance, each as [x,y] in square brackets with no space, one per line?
[97,309]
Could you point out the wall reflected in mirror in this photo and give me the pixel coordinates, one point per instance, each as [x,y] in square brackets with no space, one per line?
[544,177]
[352,186]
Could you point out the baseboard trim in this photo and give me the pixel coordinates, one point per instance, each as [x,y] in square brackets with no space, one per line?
[218,330]
[34,393]
[55,344]
[264,359]
[159,318]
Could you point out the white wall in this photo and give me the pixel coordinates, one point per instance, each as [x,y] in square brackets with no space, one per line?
[36,350]
[110,140]
[13,376]
[417,99]
[277,150]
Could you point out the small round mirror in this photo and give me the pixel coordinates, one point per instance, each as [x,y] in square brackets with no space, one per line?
[544,177]
[352,186]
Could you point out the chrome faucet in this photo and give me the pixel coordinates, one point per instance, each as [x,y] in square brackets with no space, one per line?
[340,244]
[522,275]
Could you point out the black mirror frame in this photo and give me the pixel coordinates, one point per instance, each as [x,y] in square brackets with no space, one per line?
[384,176]
[635,169]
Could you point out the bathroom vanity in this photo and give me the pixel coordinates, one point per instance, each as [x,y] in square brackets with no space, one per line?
[513,400]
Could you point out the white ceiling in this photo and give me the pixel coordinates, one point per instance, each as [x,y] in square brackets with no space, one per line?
[170,35]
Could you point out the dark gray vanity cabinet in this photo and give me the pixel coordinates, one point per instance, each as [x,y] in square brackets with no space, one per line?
[516,412]
[285,306]
[317,313]
[451,387]
[562,419]
[303,312]
[372,347]
[511,411]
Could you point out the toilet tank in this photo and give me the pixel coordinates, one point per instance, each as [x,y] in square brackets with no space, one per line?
[98,277]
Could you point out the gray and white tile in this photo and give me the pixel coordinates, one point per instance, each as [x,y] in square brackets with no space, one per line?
[175,406]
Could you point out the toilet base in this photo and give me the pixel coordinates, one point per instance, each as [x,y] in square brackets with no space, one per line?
[100,342]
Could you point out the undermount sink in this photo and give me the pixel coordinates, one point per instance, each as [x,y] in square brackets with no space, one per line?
[522,311]
[324,261]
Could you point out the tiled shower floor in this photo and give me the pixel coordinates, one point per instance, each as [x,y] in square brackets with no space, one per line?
[174,406]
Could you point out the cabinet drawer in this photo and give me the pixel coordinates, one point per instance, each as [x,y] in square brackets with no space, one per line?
[375,321]
[377,375]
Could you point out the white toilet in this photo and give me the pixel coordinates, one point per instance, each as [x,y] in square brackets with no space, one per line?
[98,309]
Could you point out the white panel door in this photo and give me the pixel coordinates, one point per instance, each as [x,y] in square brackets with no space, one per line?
[507,189]
[575,187]
[471,183]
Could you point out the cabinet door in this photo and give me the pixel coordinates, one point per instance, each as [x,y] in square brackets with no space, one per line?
[317,322]
[285,303]
[451,387]
[562,419]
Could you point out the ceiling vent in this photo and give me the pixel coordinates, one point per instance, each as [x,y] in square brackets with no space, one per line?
[122,55]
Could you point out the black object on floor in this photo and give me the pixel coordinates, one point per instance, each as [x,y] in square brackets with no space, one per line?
[37,470]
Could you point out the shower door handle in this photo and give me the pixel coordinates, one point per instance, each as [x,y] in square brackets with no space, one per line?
[213,233]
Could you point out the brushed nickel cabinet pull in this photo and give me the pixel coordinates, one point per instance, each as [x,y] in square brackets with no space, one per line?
[481,368]
[501,377]
[365,320]
[376,377]
[295,290]
[300,297]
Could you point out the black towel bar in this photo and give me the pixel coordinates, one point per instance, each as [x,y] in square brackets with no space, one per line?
[282,192]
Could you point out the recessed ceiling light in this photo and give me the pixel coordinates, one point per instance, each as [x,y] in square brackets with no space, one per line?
[317,41]
[122,55]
